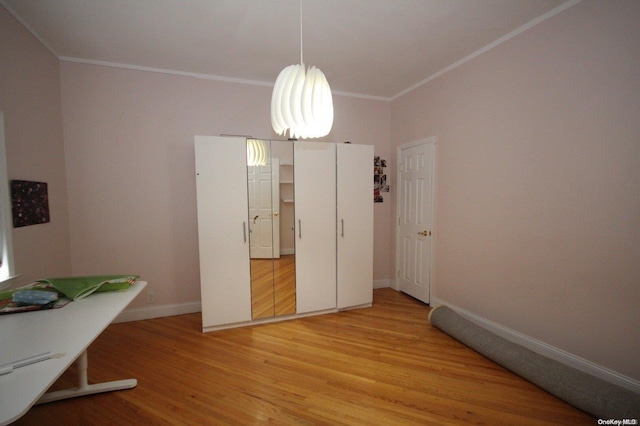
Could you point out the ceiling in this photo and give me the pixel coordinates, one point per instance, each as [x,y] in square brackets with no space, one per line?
[371,48]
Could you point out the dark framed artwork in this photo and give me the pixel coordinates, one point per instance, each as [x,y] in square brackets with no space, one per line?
[379,179]
[29,203]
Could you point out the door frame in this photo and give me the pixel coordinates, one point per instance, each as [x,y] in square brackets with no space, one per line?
[399,198]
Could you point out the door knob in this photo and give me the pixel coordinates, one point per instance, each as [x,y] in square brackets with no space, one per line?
[424,233]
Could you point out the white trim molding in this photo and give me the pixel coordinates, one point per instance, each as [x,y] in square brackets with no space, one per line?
[512,34]
[545,349]
[384,283]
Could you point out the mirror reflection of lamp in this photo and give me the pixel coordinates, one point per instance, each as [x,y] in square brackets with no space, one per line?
[256,153]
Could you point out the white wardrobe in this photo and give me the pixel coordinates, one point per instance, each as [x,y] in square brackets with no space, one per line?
[332,226]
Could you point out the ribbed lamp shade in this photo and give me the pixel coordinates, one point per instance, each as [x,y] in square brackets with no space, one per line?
[256,153]
[302,103]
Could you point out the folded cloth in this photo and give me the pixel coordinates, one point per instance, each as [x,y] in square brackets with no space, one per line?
[34,297]
[76,288]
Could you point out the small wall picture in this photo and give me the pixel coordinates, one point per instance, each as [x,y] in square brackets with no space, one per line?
[379,179]
[29,203]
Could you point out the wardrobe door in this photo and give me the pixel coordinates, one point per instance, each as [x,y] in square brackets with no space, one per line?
[315,212]
[355,225]
[221,184]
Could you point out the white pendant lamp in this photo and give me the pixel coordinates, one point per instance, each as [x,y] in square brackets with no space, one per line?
[301,101]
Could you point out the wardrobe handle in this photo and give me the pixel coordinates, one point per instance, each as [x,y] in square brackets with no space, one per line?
[244,231]
[342,231]
[299,228]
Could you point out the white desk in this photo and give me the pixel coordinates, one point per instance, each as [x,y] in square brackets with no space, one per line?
[68,330]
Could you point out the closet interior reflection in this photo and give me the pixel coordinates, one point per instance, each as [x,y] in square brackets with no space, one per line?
[271,228]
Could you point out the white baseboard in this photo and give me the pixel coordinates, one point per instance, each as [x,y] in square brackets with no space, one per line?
[382,283]
[545,349]
[150,312]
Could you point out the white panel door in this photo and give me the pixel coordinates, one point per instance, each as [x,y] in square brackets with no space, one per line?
[264,205]
[315,211]
[355,224]
[221,184]
[413,243]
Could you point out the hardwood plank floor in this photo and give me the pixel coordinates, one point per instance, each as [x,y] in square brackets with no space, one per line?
[383,365]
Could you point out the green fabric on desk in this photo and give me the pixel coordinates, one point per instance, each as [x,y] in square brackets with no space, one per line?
[76,288]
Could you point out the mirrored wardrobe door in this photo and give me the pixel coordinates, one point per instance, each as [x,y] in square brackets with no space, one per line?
[284,264]
[259,184]
[270,227]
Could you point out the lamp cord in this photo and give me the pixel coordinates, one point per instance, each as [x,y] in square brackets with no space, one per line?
[301,56]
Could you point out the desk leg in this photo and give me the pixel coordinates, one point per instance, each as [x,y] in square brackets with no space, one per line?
[84,388]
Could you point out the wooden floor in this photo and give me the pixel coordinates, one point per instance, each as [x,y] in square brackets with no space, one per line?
[383,365]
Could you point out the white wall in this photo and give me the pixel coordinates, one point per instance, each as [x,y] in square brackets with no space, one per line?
[30,101]
[538,162]
[130,166]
